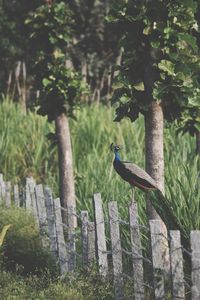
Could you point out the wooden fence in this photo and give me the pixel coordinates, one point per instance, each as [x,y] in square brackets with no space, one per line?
[166,259]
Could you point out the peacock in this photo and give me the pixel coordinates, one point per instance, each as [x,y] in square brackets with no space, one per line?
[137,177]
[131,173]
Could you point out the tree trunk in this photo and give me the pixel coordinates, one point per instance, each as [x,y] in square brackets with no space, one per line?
[198,143]
[67,188]
[154,150]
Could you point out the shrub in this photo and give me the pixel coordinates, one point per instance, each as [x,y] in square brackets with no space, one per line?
[75,286]
[22,248]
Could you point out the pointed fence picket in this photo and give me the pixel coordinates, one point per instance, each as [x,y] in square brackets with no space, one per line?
[99,249]
[50,208]
[176,257]
[116,250]
[91,243]
[195,247]
[136,248]
[160,258]
[8,193]
[62,251]
[84,234]
[16,195]
[30,187]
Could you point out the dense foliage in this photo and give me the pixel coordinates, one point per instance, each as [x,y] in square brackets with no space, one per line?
[160,61]
[60,87]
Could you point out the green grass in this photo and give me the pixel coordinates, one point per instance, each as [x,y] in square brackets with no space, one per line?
[25,150]
[23,144]
[80,286]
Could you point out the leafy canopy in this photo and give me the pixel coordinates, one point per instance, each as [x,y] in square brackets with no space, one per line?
[160,61]
[51,34]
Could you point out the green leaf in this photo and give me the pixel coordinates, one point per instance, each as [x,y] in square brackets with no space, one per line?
[139,86]
[147,30]
[155,44]
[46,82]
[189,39]
[194,101]
[117,85]
[167,66]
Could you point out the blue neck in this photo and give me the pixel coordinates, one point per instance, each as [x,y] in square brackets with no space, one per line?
[117,156]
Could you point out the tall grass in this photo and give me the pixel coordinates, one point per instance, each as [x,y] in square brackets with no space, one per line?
[25,150]
[23,144]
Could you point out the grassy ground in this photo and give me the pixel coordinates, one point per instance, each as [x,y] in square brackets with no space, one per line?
[25,150]
[76,287]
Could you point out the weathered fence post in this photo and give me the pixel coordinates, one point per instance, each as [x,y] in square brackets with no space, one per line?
[136,248]
[71,238]
[28,204]
[1,196]
[100,235]
[116,250]
[49,203]
[176,257]
[195,247]
[16,195]
[84,236]
[30,191]
[42,213]
[3,189]
[62,251]
[8,193]
[160,257]
[91,243]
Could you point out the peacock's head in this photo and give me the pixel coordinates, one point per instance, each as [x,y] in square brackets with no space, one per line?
[114,147]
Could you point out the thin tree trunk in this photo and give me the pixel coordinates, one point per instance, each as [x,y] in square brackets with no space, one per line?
[23,99]
[198,143]
[84,69]
[9,83]
[154,150]
[118,62]
[67,188]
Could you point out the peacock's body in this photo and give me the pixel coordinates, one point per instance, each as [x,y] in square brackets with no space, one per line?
[133,174]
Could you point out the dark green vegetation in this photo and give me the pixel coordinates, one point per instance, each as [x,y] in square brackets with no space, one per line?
[160,61]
